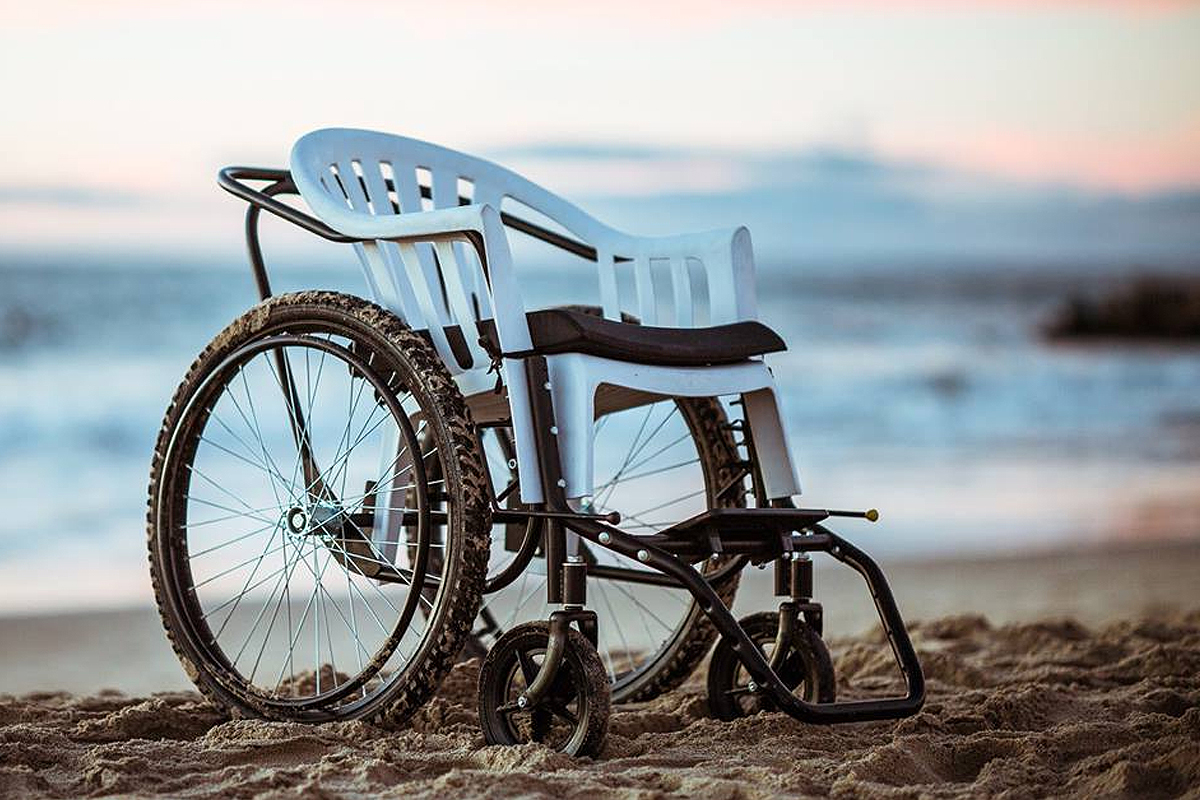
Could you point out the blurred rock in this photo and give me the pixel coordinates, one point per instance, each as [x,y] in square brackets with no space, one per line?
[1151,307]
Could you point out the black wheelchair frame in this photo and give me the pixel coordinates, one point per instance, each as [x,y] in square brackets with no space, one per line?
[784,535]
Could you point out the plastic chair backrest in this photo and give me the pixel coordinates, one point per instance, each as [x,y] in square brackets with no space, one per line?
[440,286]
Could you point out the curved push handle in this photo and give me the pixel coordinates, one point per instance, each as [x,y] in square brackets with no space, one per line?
[231,180]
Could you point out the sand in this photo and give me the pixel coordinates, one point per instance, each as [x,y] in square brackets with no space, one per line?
[1044,707]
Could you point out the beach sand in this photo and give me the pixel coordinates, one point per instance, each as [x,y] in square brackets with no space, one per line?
[1051,675]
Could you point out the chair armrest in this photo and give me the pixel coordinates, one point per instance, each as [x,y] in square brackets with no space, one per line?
[338,223]
[695,244]
[479,224]
[415,226]
[728,259]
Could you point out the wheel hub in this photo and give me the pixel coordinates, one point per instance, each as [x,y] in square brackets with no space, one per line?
[297,521]
[321,519]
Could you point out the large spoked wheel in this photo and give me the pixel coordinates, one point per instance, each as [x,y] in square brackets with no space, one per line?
[573,715]
[656,464]
[807,670]
[318,514]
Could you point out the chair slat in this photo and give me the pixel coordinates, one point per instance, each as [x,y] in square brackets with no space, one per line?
[644,285]
[409,309]
[722,294]
[349,180]
[681,285]
[460,303]
[431,309]
[610,299]
[385,272]
[405,178]
[444,189]
[389,290]
[473,267]
[334,189]
[377,191]
[409,194]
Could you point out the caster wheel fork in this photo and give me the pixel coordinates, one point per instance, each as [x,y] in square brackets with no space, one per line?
[805,668]
[544,682]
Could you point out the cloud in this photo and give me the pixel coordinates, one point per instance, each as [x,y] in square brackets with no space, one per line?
[810,207]
[68,196]
[830,204]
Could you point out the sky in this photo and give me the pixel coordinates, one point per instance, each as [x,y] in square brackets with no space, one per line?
[117,115]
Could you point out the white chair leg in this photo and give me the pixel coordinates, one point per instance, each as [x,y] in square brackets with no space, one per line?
[522,428]
[574,395]
[771,444]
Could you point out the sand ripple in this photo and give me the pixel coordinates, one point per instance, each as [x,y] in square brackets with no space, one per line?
[1044,709]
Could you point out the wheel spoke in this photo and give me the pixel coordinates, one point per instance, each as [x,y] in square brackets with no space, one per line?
[249,510]
[529,668]
[258,434]
[258,558]
[284,578]
[560,710]
[669,503]
[259,582]
[234,540]
[244,459]
[620,628]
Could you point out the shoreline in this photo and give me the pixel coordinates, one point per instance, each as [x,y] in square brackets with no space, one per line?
[125,649]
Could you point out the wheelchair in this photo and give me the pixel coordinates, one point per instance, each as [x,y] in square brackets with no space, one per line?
[349,495]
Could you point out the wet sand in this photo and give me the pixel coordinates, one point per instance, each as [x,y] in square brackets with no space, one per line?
[1024,701]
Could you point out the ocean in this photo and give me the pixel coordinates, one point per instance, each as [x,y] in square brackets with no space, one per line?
[924,391]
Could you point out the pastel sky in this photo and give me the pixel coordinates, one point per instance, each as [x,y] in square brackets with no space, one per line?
[145,99]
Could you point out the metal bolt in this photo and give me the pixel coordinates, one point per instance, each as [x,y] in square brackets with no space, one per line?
[562,482]
[554,430]
[752,686]
[546,386]
[604,538]
[522,701]
[715,557]
[643,555]
[512,463]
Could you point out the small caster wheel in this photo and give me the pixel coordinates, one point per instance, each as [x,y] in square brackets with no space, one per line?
[808,669]
[572,717]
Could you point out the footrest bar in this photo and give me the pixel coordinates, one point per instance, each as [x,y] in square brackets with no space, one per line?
[756,664]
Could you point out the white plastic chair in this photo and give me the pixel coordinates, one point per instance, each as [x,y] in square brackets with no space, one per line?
[444,267]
